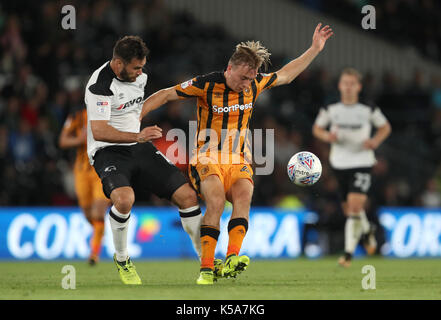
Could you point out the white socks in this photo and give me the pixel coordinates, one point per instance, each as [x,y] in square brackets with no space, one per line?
[365,226]
[191,222]
[353,231]
[119,224]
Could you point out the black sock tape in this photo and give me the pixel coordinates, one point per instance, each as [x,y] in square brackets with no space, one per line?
[238,222]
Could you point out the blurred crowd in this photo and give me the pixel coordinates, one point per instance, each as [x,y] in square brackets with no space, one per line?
[43,69]
[411,24]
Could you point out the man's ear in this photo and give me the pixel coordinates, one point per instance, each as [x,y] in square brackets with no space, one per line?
[119,63]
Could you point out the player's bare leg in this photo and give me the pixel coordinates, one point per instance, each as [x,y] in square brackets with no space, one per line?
[356,226]
[240,195]
[357,203]
[98,212]
[212,190]
[122,199]
[88,214]
[189,211]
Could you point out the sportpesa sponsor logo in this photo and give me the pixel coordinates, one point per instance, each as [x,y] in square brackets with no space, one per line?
[235,107]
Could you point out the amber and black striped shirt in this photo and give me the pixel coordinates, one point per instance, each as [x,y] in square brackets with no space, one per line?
[75,123]
[223,115]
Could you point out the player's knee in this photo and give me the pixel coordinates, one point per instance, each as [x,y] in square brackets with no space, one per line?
[242,195]
[124,205]
[123,201]
[354,208]
[216,203]
[190,199]
[185,197]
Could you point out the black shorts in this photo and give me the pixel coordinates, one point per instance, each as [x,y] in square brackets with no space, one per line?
[140,166]
[353,180]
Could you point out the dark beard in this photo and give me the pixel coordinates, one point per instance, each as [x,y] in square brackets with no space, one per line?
[124,75]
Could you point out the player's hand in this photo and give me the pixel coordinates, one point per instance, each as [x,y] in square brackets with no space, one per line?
[370,144]
[332,137]
[320,36]
[149,133]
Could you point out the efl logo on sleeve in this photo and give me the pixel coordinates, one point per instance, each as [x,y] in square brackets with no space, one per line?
[186,84]
[102,106]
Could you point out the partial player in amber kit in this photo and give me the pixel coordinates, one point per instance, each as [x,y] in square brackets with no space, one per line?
[91,198]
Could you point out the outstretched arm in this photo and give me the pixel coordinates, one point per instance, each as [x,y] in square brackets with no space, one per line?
[102,131]
[158,99]
[291,70]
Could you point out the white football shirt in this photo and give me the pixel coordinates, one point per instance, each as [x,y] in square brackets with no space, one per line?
[353,125]
[119,102]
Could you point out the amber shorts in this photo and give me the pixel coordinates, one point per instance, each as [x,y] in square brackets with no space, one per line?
[227,173]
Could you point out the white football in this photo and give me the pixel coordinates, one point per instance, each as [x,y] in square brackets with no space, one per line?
[304,169]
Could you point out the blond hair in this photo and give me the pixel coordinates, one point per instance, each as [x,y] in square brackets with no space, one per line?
[251,53]
[352,72]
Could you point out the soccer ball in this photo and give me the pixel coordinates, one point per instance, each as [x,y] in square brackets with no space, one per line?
[304,169]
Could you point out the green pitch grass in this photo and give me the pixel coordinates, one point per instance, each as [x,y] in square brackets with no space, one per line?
[264,279]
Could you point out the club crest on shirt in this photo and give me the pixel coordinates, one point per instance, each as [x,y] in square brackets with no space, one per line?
[204,170]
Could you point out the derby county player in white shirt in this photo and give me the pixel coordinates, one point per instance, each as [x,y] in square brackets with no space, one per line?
[123,156]
[352,156]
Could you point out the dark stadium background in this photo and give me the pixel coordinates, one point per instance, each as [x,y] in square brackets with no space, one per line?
[43,70]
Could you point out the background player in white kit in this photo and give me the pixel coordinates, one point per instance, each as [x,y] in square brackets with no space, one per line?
[352,156]
[122,155]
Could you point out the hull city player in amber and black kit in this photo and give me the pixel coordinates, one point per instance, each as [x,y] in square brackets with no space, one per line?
[88,186]
[220,168]
[122,155]
[352,156]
